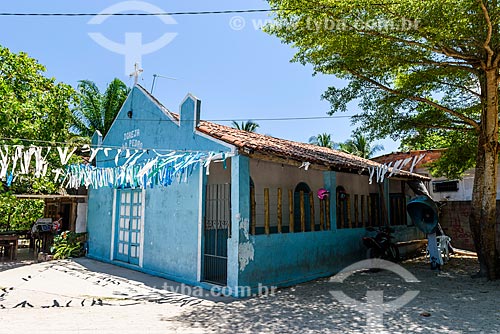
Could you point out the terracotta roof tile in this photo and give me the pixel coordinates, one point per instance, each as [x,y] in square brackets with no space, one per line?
[250,143]
[430,156]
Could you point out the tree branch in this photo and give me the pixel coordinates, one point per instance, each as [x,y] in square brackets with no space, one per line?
[452,53]
[470,91]
[452,128]
[486,44]
[447,51]
[448,64]
[466,119]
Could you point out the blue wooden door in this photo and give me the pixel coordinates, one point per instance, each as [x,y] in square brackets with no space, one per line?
[128,225]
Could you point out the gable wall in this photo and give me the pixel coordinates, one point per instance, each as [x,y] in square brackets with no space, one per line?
[172,213]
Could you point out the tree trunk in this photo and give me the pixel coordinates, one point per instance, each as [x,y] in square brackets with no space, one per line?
[475,214]
[483,213]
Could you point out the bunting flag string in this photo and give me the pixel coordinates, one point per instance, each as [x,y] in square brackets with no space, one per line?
[394,166]
[135,171]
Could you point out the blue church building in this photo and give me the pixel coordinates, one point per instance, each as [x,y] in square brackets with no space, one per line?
[247,215]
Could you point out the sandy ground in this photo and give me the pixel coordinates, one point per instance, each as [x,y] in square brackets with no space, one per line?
[85,296]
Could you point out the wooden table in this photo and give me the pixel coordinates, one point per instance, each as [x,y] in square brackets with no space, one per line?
[10,240]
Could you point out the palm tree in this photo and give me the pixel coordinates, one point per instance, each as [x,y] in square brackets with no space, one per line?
[359,145]
[97,111]
[323,139]
[246,126]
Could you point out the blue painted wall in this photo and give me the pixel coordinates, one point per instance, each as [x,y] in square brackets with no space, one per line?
[291,258]
[171,229]
[100,209]
[171,218]
[150,127]
[240,215]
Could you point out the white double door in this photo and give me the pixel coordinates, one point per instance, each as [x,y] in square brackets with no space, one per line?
[128,225]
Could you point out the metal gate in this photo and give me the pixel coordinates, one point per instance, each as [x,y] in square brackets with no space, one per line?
[128,226]
[216,232]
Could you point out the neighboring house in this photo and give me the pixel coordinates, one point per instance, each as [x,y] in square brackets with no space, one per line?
[456,194]
[73,207]
[252,220]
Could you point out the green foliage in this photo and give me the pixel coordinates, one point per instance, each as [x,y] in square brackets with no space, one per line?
[415,68]
[246,126]
[32,108]
[323,139]
[67,244]
[97,111]
[359,145]
[19,214]
[459,156]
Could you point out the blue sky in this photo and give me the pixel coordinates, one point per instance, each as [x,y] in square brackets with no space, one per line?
[240,73]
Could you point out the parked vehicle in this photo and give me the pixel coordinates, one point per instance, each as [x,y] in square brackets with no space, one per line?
[381,246]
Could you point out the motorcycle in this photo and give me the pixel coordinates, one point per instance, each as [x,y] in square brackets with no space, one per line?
[381,246]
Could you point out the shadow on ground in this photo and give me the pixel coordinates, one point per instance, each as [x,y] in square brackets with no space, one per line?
[105,274]
[449,302]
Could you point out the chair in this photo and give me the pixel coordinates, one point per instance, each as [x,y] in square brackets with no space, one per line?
[443,242]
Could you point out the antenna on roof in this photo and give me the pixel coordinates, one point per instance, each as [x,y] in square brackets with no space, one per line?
[136,73]
[159,76]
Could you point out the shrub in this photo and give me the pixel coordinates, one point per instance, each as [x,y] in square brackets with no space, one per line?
[68,244]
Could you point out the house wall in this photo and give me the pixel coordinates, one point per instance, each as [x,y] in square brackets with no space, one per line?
[99,222]
[283,259]
[454,220]
[173,215]
[464,192]
[219,173]
[171,229]
[465,185]
[273,176]
[81,218]
[356,184]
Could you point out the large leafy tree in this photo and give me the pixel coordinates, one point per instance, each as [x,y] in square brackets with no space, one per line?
[323,139]
[359,145]
[246,126]
[34,109]
[418,69]
[32,106]
[96,110]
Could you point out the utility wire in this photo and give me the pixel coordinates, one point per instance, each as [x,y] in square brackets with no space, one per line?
[212,12]
[73,144]
[243,119]
[148,14]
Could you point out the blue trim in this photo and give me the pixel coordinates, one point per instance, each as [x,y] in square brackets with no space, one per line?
[330,180]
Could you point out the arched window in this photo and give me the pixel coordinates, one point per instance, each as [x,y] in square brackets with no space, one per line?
[342,212]
[301,188]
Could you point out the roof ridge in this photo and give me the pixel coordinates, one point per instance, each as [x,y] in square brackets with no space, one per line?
[279,147]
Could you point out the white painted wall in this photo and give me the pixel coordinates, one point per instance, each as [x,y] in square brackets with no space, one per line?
[464,192]
[273,176]
[81,218]
[465,185]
